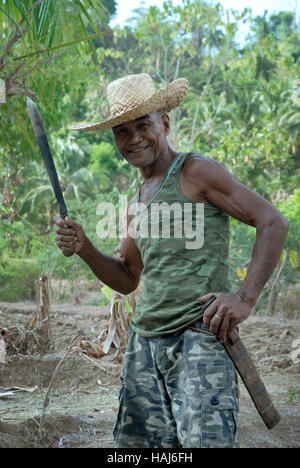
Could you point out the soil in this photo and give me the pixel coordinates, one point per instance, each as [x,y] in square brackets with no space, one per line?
[83,400]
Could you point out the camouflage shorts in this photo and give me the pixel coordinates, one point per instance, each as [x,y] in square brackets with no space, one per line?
[177,391]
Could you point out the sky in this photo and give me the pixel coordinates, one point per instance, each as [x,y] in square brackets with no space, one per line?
[258,6]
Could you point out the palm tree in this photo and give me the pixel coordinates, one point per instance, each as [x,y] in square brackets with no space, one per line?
[31,33]
[35,194]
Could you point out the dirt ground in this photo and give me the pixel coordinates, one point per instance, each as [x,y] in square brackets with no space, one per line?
[83,401]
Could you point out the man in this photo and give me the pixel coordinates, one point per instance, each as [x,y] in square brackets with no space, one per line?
[179,387]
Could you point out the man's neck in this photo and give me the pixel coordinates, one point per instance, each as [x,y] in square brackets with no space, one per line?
[159,167]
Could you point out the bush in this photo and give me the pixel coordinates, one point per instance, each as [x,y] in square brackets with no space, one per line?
[19,280]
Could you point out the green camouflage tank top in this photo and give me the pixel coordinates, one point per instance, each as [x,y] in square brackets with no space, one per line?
[184,247]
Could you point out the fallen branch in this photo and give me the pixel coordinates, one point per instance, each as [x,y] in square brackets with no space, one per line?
[96,364]
[46,401]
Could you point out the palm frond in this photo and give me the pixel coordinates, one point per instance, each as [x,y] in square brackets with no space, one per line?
[60,46]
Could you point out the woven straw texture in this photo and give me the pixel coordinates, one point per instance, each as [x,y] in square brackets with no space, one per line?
[133,96]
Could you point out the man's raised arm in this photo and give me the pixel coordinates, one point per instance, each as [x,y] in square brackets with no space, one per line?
[121,274]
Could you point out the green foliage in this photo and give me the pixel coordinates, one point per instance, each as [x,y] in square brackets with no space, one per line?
[292,395]
[104,163]
[291,209]
[242,109]
[19,280]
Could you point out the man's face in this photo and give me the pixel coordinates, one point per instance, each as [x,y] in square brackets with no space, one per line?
[144,140]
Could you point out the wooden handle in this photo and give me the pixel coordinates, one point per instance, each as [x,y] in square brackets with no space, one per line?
[68,251]
[252,380]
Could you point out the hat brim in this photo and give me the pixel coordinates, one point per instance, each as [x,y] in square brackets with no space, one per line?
[165,100]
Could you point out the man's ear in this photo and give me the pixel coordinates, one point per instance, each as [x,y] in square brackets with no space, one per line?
[166,122]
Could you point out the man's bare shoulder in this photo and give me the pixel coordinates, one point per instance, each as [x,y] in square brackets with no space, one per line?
[197,161]
[202,170]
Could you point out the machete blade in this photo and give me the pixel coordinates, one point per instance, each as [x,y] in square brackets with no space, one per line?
[42,140]
[249,374]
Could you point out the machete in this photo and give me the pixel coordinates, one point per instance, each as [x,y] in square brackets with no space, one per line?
[42,140]
[250,376]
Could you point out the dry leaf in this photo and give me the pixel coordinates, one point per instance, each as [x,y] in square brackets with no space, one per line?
[22,388]
[90,348]
[112,341]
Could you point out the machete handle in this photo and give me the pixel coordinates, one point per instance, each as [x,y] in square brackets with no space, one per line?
[233,338]
[67,251]
[208,302]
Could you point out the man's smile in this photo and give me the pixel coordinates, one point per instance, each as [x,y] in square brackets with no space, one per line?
[138,150]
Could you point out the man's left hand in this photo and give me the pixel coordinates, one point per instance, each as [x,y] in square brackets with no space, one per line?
[225,314]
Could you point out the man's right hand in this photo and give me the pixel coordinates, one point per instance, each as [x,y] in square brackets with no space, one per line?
[69,236]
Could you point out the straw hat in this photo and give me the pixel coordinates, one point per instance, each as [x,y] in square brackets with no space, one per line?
[134,96]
